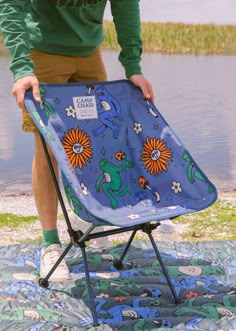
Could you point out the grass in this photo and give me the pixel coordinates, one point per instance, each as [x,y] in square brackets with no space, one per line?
[177,38]
[14,221]
[30,241]
[217,222]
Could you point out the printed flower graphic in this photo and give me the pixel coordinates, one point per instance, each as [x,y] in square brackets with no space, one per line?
[120,299]
[78,147]
[155,155]
[138,128]
[70,111]
[191,294]
[176,187]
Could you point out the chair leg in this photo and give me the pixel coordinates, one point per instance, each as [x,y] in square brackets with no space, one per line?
[118,263]
[90,290]
[148,228]
[56,185]
[177,300]
[43,282]
[75,236]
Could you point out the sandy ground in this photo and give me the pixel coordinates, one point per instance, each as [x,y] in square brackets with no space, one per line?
[24,205]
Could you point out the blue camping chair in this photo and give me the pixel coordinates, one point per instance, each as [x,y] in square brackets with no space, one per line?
[121,164]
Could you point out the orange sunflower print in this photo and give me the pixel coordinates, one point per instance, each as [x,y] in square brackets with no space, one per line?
[155,155]
[77,146]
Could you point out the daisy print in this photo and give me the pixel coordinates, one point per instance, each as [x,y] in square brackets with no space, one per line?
[138,128]
[70,112]
[176,187]
[155,155]
[77,146]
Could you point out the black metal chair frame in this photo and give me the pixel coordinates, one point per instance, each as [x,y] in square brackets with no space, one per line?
[78,239]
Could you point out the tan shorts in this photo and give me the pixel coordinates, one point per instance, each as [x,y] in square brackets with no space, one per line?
[60,69]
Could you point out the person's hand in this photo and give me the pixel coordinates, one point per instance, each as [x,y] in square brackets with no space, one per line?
[21,85]
[144,85]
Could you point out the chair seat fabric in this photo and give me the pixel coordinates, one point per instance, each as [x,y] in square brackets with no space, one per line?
[121,162]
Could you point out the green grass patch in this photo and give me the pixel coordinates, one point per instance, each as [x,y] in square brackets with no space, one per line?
[30,241]
[14,221]
[217,222]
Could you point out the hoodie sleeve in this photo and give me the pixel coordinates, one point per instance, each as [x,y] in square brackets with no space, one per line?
[16,36]
[126,17]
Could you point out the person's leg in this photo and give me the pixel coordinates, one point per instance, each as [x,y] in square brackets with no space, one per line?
[48,69]
[89,68]
[43,187]
[55,69]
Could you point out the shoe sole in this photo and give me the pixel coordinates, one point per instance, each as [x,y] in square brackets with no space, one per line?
[56,279]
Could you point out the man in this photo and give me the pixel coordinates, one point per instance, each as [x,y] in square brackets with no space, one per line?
[57,41]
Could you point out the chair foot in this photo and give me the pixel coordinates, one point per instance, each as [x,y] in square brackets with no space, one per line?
[118,265]
[178,301]
[96,324]
[43,282]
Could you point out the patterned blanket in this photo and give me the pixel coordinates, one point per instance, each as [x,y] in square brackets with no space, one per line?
[136,298]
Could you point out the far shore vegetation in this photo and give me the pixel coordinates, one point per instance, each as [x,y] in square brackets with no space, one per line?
[177,38]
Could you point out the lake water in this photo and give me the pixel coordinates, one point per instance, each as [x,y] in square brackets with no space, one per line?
[187,11]
[195,94]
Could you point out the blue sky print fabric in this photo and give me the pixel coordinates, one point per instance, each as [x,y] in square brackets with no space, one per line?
[121,162]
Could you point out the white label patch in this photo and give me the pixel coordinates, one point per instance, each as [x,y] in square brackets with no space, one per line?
[85,107]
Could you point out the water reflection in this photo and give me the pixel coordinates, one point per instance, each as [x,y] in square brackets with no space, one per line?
[195,95]
[187,11]
[7,141]
[16,148]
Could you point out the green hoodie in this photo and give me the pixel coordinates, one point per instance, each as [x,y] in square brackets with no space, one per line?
[67,27]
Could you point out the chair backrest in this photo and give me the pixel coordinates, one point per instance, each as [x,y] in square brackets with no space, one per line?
[121,162]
